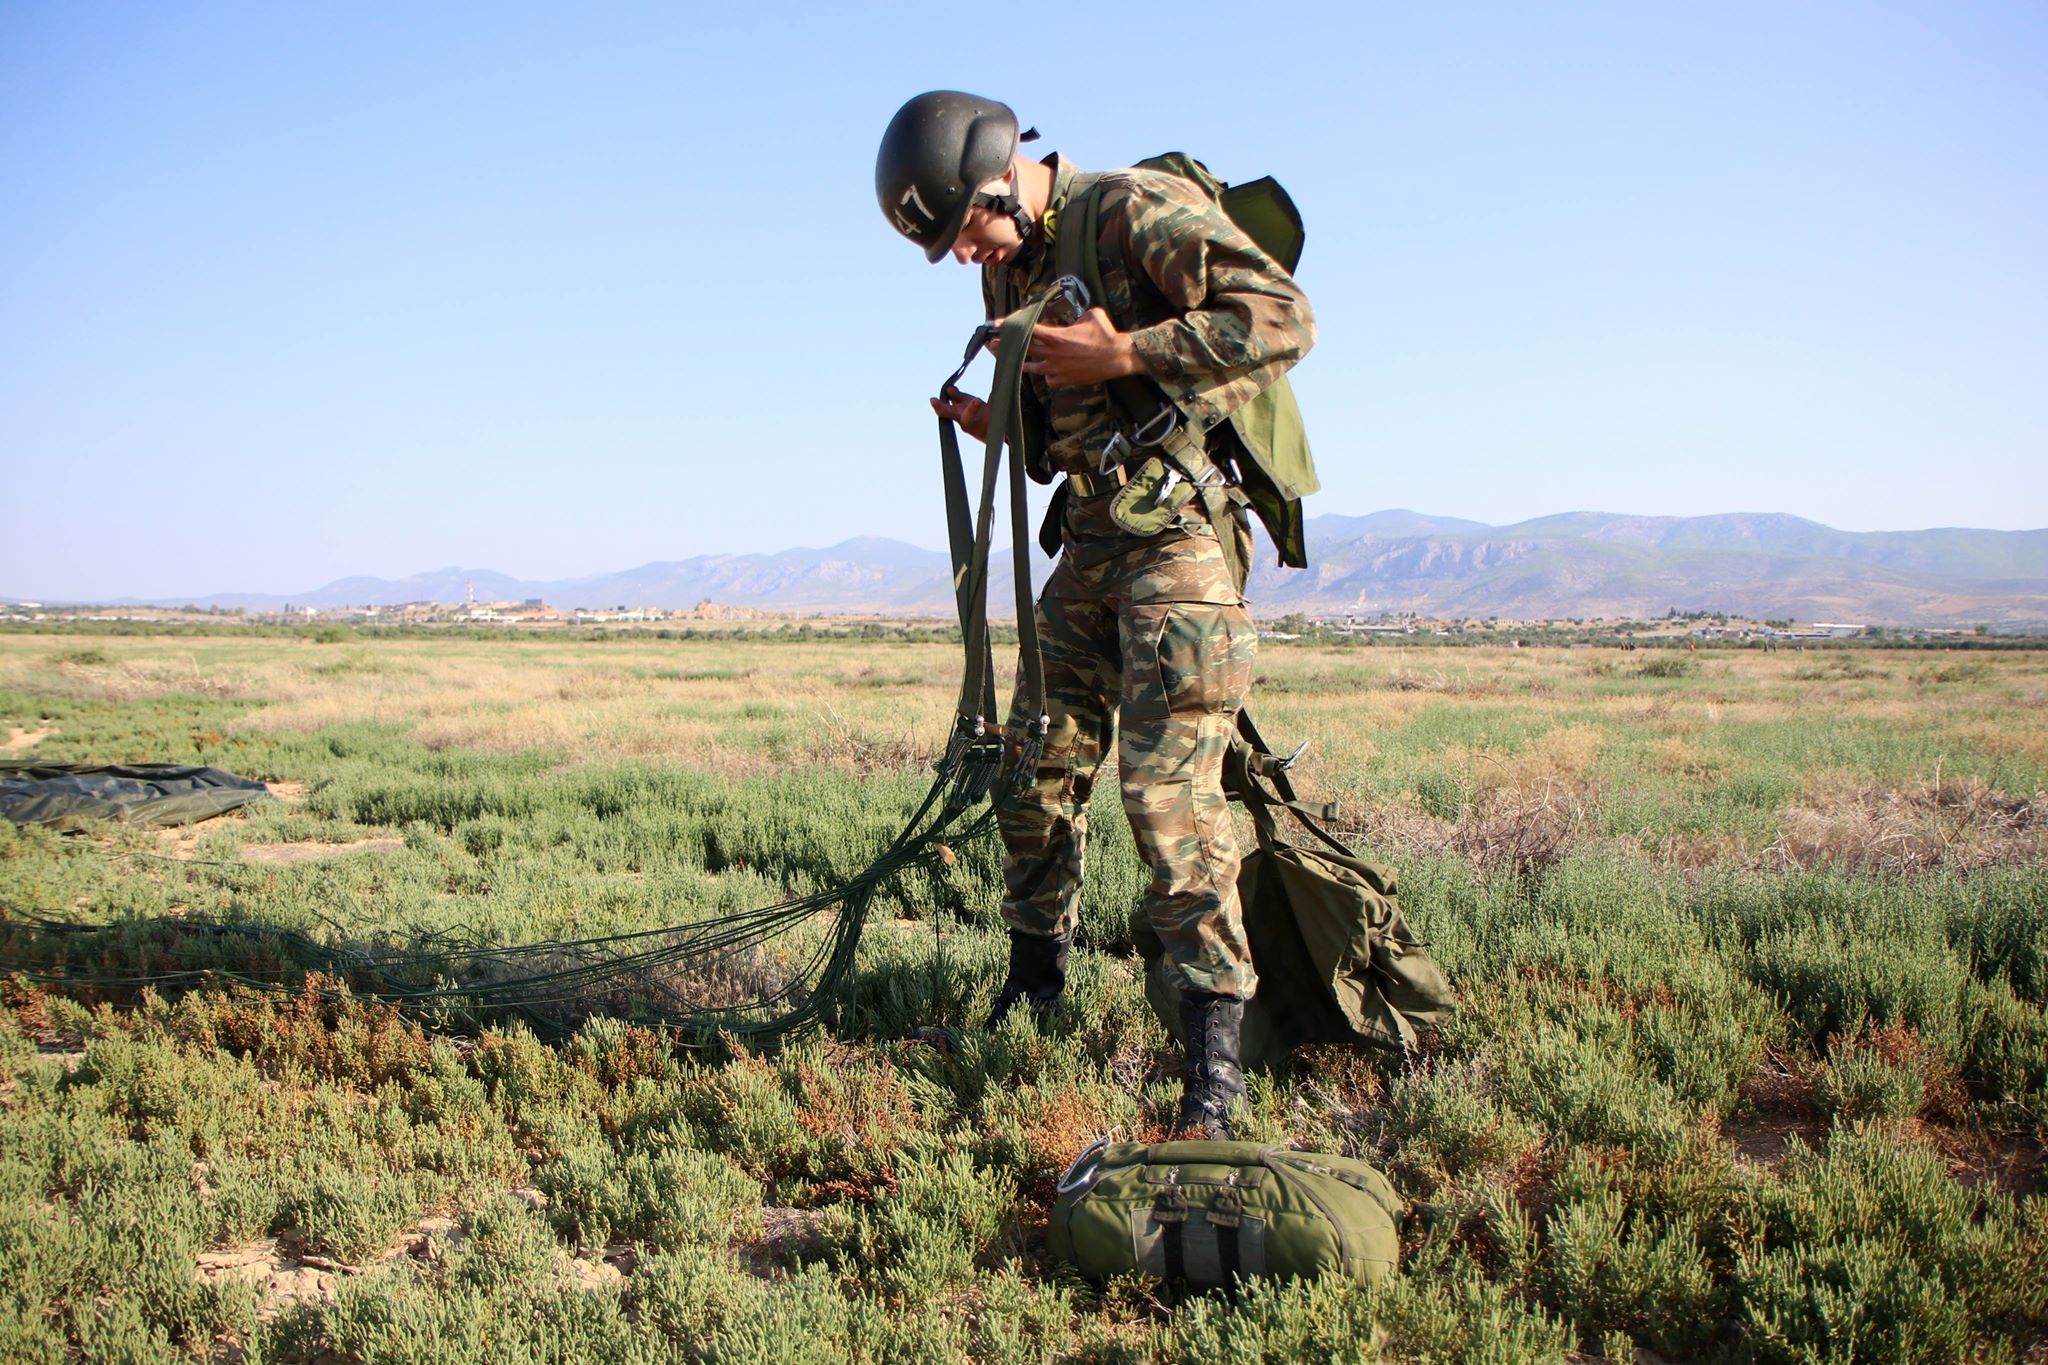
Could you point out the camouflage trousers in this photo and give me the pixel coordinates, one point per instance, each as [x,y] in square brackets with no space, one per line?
[1146,640]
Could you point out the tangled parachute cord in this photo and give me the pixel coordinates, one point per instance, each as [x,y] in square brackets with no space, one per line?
[733,974]
[698,980]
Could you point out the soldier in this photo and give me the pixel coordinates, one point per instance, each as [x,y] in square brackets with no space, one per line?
[1144,637]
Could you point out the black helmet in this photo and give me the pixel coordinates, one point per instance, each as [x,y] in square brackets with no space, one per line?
[938,151]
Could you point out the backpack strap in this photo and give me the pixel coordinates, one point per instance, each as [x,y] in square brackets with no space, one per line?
[1247,768]
[1079,240]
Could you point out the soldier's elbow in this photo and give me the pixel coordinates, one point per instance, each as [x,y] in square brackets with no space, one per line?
[1306,323]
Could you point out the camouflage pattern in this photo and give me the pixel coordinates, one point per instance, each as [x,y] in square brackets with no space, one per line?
[1147,638]
[1213,318]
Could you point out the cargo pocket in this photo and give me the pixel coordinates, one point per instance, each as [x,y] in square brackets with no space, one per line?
[1205,655]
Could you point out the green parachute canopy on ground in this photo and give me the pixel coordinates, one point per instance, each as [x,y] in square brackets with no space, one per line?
[76,796]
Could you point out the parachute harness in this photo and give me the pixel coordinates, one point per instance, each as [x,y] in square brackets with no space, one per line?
[736,974]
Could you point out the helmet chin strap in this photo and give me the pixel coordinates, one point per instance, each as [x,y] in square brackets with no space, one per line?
[1007,203]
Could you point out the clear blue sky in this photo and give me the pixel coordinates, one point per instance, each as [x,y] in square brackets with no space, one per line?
[291,291]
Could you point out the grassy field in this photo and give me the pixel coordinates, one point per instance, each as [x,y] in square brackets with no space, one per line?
[1752,1062]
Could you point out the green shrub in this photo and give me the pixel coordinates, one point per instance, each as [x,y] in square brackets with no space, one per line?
[1862,1082]
[1606,1267]
[945,1214]
[667,1197]
[1450,1119]
[1872,1252]
[1441,794]
[351,1214]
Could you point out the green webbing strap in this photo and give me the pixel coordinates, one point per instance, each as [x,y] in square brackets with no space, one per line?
[1005,426]
[1225,1217]
[1260,803]
[1170,1212]
[1228,1253]
[960,541]
[1220,500]
[1081,235]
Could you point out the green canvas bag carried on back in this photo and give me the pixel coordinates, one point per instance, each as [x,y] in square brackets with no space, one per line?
[1207,1213]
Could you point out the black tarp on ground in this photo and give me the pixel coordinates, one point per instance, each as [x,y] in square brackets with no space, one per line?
[73,796]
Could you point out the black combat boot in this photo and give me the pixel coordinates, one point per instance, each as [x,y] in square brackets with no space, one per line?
[1213,1078]
[1038,973]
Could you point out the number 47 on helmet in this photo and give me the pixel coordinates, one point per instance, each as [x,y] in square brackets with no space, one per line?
[938,152]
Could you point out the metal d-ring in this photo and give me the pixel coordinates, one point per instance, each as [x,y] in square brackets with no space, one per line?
[1070,1181]
[1169,414]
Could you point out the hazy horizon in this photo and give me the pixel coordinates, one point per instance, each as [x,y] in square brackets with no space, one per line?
[1001,547]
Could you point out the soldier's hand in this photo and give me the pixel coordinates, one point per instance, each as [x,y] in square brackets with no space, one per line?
[965,409]
[1089,352]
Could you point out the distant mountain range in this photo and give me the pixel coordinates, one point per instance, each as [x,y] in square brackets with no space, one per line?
[1593,564]
[1577,564]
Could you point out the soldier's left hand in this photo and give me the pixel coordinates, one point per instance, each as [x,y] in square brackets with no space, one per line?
[1089,352]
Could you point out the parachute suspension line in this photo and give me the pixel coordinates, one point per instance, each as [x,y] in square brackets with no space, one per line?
[726,975]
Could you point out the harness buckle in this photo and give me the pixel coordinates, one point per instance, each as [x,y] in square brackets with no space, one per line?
[1113,454]
[976,342]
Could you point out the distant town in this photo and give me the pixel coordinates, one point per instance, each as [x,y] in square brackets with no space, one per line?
[534,614]
[530,611]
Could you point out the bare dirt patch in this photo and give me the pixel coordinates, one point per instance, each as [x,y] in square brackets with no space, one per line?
[179,842]
[283,1273]
[2013,1163]
[291,793]
[19,739]
[312,850]
[426,1237]
[1777,1110]
[607,1270]
[278,1272]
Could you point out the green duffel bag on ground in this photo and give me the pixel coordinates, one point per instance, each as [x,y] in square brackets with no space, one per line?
[1208,1213]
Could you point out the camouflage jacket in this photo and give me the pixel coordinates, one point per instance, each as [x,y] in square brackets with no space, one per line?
[1214,319]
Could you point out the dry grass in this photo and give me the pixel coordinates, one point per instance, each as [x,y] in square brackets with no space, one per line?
[1517,812]
[137,678]
[1959,824]
[1516,829]
[1681,758]
[746,709]
[1454,683]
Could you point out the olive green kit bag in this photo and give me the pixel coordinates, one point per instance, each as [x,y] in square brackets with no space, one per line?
[1336,958]
[1205,1214]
